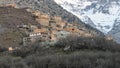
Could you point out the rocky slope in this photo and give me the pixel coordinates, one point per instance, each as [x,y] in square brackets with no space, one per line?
[10,18]
[115,32]
[16,24]
[49,7]
[100,14]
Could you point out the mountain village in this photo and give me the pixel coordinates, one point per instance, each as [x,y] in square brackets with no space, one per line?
[52,29]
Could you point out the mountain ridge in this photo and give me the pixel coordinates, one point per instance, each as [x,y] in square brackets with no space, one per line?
[100,14]
[99,11]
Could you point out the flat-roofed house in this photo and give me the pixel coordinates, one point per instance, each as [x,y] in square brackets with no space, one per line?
[38,32]
[41,34]
[52,24]
[44,16]
[57,19]
[37,13]
[11,5]
[61,24]
[73,30]
[43,22]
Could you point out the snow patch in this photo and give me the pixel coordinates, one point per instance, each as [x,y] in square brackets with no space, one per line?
[104,22]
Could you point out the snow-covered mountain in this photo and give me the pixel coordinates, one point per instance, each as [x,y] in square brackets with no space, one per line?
[101,14]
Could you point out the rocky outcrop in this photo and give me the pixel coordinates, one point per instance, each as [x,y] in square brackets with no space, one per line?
[115,32]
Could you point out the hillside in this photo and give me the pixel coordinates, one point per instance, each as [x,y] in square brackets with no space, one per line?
[19,26]
[10,18]
[25,37]
[48,7]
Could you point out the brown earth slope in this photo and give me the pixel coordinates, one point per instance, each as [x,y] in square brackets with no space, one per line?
[9,19]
